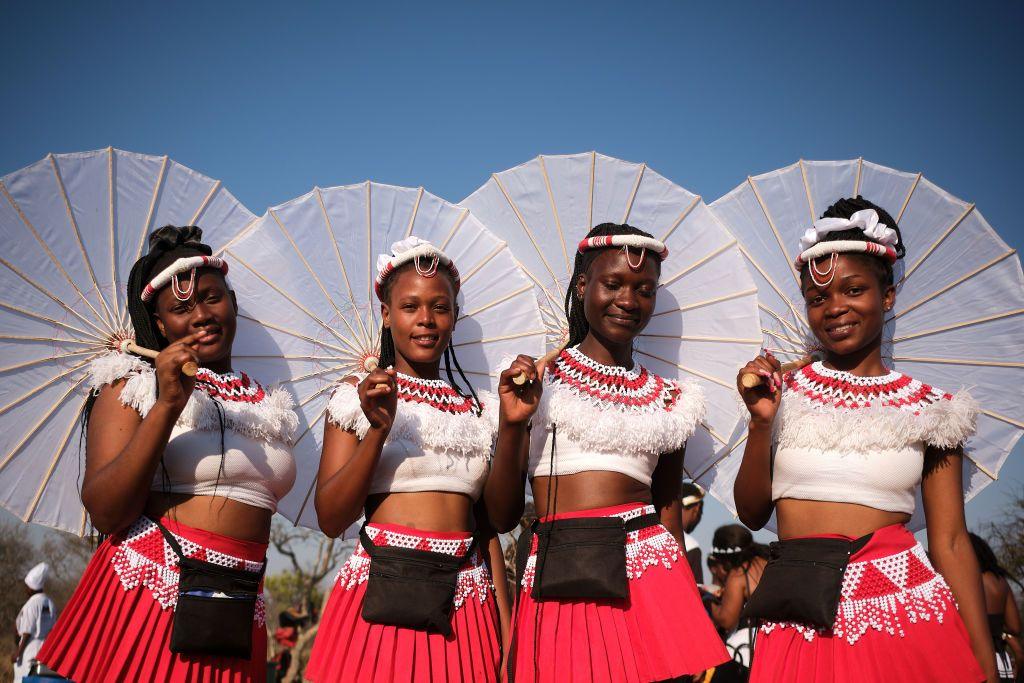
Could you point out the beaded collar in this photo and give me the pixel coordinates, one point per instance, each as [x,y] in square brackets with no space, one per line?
[433,392]
[229,386]
[823,386]
[635,390]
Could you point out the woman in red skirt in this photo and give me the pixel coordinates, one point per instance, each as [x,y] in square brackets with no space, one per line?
[606,592]
[849,595]
[207,458]
[415,601]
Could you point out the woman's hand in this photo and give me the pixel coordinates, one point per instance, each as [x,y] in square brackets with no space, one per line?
[518,402]
[174,387]
[763,400]
[378,397]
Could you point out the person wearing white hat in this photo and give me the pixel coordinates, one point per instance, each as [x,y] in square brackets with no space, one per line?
[34,620]
[691,497]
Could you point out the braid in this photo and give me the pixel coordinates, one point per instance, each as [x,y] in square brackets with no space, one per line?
[574,314]
[449,359]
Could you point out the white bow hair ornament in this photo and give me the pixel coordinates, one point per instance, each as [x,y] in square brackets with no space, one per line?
[413,249]
[882,244]
[865,219]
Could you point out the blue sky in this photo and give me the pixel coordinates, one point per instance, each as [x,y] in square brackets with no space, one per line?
[273,98]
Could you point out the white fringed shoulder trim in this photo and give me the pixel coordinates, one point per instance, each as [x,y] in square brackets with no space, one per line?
[272,419]
[603,427]
[944,423]
[421,424]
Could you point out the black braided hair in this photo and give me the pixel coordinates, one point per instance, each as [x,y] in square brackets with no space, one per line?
[987,560]
[845,208]
[578,325]
[387,342]
[736,536]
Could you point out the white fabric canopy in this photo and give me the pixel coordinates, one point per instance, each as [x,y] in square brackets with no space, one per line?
[304,277]
[960,291]
[72,226]
[705,324]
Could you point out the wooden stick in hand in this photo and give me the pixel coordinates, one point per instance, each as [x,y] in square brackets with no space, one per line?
[520,379]
[189,369]
[749,380]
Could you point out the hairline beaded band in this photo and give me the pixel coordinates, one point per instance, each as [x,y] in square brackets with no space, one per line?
[644,244]
[422,250]
[181,265]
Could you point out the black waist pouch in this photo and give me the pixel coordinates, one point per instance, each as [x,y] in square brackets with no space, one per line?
[411,588]
[583,558]
[802,581]
[216,606]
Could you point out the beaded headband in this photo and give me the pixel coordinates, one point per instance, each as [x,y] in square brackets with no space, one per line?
[644,244]
[413,249]
[171,272]
[726,551]
[882,244]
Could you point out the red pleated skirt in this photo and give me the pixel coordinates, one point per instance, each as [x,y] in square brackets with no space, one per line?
[897,621]
[661,631]
[349,648]
[117,625]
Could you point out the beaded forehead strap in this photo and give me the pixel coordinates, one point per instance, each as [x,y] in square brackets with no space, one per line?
[644,244]
[726,551]
[170,275]
[884,240]
[414,249]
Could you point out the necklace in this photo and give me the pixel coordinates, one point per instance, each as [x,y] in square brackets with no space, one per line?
[434,392]
[635,390]
[229,386]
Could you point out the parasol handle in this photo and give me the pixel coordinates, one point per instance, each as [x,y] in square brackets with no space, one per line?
[749,380]
[371,364]
[520,379]
[189,369]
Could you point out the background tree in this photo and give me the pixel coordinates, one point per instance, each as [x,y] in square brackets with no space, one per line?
[313,557]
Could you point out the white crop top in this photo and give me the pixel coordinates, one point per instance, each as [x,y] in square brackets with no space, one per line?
[607,418]
[849,439]
[436,443]
[255,465]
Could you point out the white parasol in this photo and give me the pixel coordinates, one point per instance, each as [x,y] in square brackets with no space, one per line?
[72,226]
[960,291]
[304,278]
[705,324]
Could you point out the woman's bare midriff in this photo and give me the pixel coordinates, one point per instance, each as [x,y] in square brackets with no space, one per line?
[816,518]
[216,514]
[585,491]
[425,510]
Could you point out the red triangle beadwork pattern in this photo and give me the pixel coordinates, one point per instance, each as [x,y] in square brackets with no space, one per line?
[229,386]
[631,390]
[823,386]
[433,392]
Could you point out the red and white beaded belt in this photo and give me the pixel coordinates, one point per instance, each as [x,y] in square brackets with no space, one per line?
[474,578]
[144,558]
[654,545]
[886,594]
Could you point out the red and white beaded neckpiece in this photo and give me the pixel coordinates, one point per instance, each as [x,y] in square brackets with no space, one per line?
[435,393]
[825,387]
[635,390]
[229,386]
